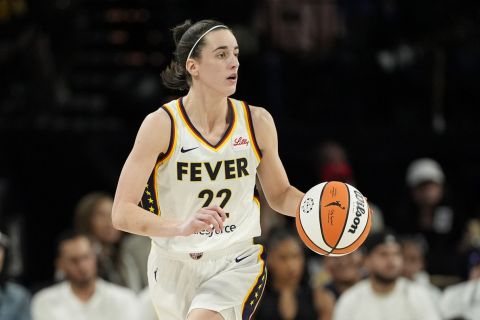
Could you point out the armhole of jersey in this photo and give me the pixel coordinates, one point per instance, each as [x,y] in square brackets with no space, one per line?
[173,139]
[251,131]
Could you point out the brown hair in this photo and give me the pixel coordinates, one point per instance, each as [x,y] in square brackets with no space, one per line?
[175,76]
[85,209]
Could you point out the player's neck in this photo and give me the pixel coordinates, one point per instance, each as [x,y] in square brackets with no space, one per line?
[206,110]
[84,292]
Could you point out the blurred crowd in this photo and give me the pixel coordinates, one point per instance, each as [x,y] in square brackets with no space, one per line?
[420,263]
[389,86]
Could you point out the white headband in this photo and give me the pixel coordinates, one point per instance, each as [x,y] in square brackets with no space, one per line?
[203,35]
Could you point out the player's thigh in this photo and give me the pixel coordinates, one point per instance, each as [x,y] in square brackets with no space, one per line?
[204,314]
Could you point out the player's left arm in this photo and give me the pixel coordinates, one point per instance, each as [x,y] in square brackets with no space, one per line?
[281,196]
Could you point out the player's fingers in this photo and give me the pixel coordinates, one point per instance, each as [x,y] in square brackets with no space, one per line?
[210,220]
[215,215]
[200,226]
[221,212]
[218,210]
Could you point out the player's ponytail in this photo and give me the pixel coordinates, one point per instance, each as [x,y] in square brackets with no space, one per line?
[187,36]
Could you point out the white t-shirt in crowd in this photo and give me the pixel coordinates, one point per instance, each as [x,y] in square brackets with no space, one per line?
[109,302]
[407,301]
[146,305]
[461,300]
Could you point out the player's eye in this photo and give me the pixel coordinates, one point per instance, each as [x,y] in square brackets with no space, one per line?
[221,55]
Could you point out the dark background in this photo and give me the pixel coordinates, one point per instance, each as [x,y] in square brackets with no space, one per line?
[78,77]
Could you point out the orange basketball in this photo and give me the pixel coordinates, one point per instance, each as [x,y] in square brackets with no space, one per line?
[333,218]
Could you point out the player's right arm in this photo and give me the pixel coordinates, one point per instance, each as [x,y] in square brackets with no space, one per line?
[153,139]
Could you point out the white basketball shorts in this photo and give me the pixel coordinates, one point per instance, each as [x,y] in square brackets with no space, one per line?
[229,281]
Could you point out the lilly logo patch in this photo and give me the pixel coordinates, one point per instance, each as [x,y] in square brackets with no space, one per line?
[240,143]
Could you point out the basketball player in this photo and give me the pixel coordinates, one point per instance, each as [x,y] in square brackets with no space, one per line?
[193,168]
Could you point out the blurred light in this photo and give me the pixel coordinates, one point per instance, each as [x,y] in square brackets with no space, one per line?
[119,37]
[63,4]
[157,59]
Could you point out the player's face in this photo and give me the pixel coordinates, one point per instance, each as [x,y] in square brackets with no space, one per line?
[412,260]
[217,67]
[286,261]
[77,261]
[102,227]
[345,269]
[385,262]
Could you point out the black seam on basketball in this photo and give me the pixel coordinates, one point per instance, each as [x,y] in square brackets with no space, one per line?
[320,215]
[346,218]
[226,134]
[359,237]
[250,125]
[306,234]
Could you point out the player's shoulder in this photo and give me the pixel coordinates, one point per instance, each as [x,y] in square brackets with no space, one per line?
[161,116]
[260,114]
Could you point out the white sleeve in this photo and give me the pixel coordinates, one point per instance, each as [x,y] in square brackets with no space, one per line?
[422,302]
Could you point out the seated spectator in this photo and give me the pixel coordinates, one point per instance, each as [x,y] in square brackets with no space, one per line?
[414,249]
[344,271]
[462,301]
[120,260]
[14,299]
[287,295]
[82,295]
[428,211]
[385,295]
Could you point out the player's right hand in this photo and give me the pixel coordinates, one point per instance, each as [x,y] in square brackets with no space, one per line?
[208,218]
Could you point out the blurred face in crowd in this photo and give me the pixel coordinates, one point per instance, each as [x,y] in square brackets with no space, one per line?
[385,262]
[474,273]
[77,261]
[345,269]
[427,194]
[286,261]
[101,222]
[413,260]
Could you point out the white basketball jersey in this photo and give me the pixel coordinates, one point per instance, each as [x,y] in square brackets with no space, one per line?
[194,174]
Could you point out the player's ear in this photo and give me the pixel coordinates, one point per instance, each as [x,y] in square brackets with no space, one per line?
[192,67]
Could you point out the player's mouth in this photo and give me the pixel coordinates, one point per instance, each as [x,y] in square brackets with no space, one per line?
[232,78]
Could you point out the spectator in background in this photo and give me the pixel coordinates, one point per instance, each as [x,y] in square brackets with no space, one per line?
[385,295]
[82,295]
[345,271]
[14,299]
[462,301]
[414,249]
[332,164]
[120,260]
[427,211]
[287,295]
